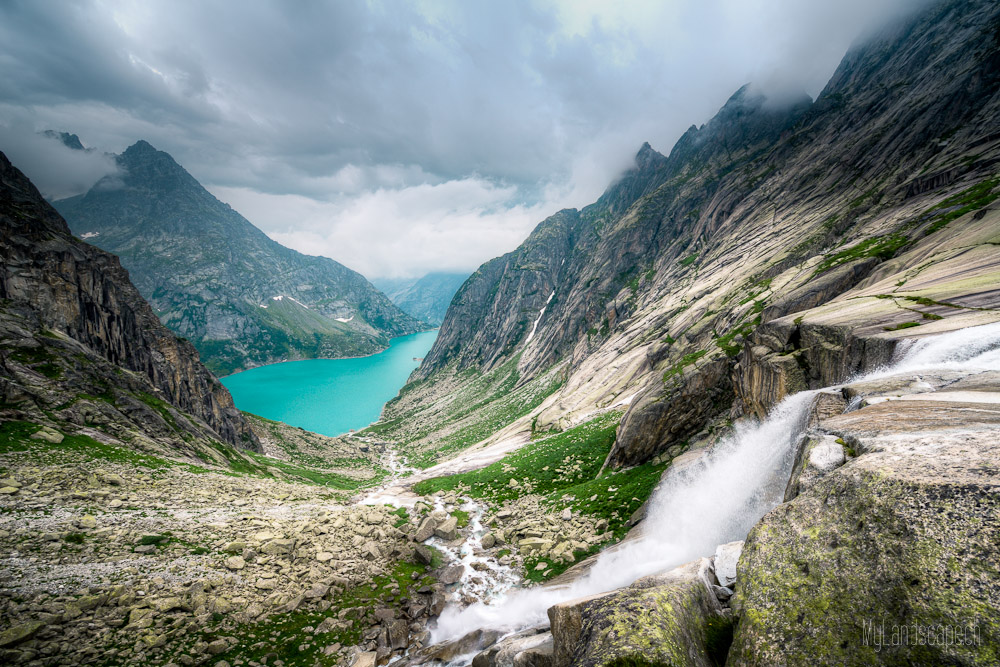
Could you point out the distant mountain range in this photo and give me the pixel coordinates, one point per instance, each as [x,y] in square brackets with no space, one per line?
[426,298]
[242,299]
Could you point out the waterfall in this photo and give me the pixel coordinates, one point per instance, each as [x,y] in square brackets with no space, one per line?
[718,498]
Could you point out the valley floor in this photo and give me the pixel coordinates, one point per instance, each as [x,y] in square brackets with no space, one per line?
[110,557]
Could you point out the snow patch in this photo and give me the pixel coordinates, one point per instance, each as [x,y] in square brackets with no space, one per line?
[89,235]
[625,401]
[282,297]
[344,319]
[534,327]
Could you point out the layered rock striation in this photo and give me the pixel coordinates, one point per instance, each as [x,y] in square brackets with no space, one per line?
[74,327]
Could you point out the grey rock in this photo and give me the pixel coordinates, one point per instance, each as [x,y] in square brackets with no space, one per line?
[726,558]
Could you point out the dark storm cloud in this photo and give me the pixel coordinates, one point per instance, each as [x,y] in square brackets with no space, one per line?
[537,103]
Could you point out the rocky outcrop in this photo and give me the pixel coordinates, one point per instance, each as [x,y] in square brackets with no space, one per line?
[673,618]
[217,280]
[65,300]
[783,356]
[661,417]
[529,648]
[888,552]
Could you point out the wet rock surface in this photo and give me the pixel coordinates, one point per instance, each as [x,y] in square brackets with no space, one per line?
[904,535]
[666,619]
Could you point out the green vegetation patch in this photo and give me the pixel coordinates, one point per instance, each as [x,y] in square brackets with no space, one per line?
[15,437]
[683,363]
[883,247]
[903,325]
[38,359]
[483,405]
[565,469]
[969,200]
[689,260]
[550,464]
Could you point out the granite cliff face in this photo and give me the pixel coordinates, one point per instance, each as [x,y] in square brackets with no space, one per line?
[215,279]
[80,345]
[777,247]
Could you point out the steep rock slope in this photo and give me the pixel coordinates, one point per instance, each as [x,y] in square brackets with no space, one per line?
[425,298]
[647,298]
[214,278]
[81,350]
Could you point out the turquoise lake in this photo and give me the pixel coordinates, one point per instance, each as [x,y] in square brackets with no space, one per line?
[329,396]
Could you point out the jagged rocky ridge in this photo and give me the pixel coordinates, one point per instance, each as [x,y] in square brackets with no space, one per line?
[214,278]
[80,347]
[661,294]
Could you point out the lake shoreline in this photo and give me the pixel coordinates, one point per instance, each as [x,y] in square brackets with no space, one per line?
[358,356]
[330,397]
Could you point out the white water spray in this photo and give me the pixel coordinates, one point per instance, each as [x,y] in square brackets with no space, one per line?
[712,501]
[971,349]
[718,498]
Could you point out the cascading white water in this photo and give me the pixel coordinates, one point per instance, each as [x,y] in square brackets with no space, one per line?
[714,500]
[974,348]
[717,499]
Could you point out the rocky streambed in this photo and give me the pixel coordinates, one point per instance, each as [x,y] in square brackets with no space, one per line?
[888,519]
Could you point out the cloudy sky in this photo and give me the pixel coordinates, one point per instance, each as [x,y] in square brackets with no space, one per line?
[397,137]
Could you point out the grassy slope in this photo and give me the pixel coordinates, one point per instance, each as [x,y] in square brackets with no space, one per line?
[564,469]
[427,428]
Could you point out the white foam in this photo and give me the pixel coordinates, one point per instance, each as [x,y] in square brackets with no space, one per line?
[719,497]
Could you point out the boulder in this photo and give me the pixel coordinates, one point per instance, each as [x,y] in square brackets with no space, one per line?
[447,529]
[451,574]
[527,648]
[904,538]
[477,640]
[371,551]
[48,435]
[726,557]
[235,563]
[530,545]
[423,554]
[671,618]
[426,530]
[19,633]
[328,624]
[398,632]
[277,547]
[817,455]
[365,659]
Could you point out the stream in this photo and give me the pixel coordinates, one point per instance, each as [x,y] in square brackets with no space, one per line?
[483,580]
[716,499]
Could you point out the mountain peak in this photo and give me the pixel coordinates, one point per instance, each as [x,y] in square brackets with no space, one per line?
[141,147]
[67,139]
[647,156]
